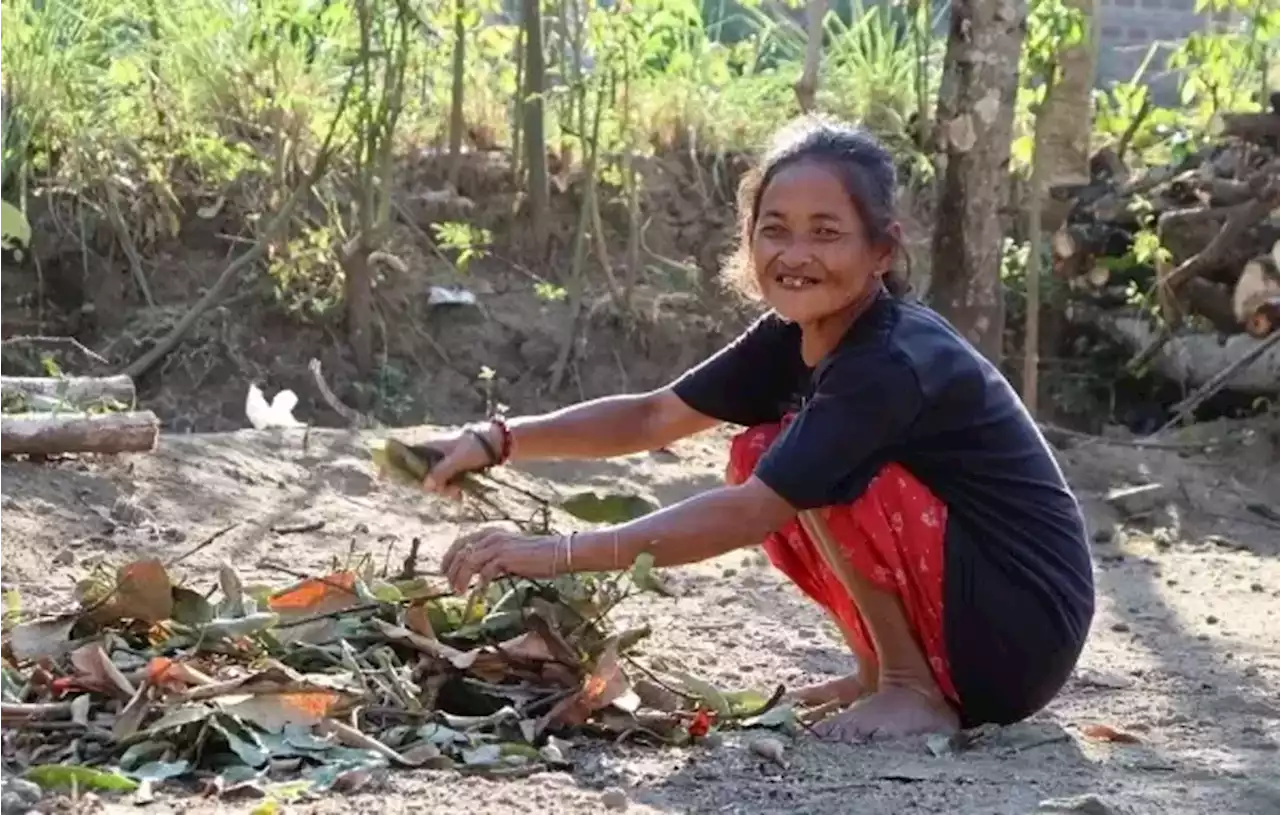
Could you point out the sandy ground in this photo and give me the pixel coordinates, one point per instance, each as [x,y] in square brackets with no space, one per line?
[1185,651]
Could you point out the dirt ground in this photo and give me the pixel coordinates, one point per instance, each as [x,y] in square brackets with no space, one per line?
[1184,654]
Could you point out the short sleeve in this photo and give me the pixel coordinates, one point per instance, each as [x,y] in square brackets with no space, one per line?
[750,381]
[862,408]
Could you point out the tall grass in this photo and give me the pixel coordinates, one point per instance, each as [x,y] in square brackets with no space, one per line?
[99,86]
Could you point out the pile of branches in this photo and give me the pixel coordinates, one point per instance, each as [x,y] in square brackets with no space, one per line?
[1215,256]
[46,416]
[325,682]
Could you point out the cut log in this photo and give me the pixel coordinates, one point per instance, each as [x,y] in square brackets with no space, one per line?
[1255,128]
[1256,299]
[51,434]
[76,392]
[1191,360]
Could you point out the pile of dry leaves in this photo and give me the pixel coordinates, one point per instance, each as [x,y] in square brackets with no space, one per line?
[280,690]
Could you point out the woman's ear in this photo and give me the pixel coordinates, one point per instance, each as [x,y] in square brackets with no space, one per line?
[891,244]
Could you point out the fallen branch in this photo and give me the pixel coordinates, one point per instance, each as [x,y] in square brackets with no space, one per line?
[217,291]
[27,339]
[354,417]
[107,433]
[72,391]
[1183,409]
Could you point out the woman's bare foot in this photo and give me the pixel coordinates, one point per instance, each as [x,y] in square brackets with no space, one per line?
[892,712]
[845,690]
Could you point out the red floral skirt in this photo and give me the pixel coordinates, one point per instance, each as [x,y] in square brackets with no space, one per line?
[892,535]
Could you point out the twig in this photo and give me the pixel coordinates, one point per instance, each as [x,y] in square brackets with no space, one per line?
[1183,409]
[23,710]
[298,528]
[1123,145]
[1058,434]
[201,545]
[354,417]
[42,340]
[127,244]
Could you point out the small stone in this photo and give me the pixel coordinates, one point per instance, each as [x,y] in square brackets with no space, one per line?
[713,739]
[729,572]
[1120,628]
[1256,588]
[614,798]
[1211,620]
[64,558]
[1084,804]
[770,748]
[1131,501]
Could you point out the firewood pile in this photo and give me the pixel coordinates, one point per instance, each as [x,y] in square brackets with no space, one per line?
[1200,237]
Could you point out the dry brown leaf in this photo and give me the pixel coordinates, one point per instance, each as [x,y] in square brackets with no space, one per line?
[316,595]
[462,660]
[1105,732]
[600,689]
[39,639]
[417,621]
[273,711]
[143,592]
[131,718]
[94,669]
[529,646]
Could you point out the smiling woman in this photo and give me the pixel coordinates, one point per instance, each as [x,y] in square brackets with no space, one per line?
[886,466]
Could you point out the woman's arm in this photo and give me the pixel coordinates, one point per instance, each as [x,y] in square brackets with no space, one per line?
[693,530]
[696,529]
[603,428]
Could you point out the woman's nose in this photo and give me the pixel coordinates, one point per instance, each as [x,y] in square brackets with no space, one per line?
[797,254]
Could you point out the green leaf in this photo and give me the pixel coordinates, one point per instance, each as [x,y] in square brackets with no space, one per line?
[781,717]
[644,577]
[157,771]
[15,232]
[709,694]
[142,752]
[745,701]
[387,593]
[68,776]
[483,755]
[607,508]
[242,743]
[190,607]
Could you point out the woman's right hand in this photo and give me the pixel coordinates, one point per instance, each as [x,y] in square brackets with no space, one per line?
[463,453]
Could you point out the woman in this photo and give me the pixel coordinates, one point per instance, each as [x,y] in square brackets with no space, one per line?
[890,470]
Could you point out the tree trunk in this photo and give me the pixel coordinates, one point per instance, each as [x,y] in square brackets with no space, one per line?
[1067,119]
[1067,116]
[359,297]
[807,86]
[975,132]
[456,125]
[51,434]
[77,392]
[535,139]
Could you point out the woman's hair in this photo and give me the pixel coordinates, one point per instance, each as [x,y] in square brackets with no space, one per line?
[862,164]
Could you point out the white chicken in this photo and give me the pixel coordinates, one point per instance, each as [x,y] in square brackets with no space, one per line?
[277,414]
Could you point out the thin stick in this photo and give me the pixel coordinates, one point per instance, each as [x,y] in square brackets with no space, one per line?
[1183,409]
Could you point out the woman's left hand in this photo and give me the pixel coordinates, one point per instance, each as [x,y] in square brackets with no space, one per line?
[492,552]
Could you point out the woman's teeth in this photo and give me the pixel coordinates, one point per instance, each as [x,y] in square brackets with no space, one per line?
[795,282]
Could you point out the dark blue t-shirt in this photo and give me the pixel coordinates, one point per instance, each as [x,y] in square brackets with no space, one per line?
[903,386]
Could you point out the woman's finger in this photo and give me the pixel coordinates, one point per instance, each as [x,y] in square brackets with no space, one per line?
[477,549]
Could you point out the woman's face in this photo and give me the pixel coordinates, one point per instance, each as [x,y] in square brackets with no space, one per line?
[809,248]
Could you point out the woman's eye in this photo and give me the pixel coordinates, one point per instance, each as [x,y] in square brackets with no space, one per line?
[826,233]
[772,231]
